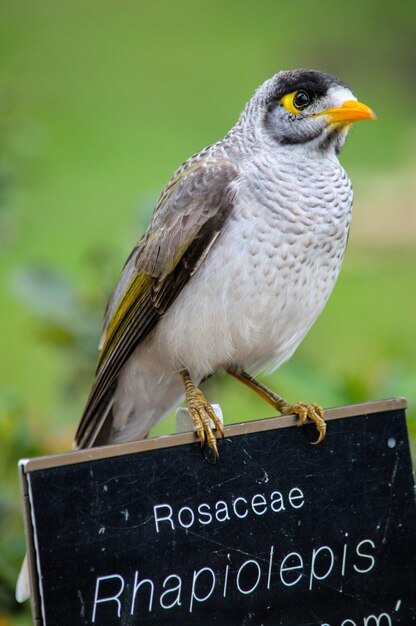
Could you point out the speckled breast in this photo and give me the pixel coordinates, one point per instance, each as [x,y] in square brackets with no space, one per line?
[268,275]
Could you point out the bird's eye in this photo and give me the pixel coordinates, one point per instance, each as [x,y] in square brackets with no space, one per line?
[301,100]
[296,101]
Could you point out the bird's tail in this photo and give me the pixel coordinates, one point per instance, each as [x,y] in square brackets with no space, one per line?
[22,585]
[143,397]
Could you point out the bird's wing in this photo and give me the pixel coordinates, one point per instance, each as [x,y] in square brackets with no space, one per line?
[187,219]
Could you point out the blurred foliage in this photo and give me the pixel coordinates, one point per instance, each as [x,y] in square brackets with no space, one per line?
[99,103]
[19,438]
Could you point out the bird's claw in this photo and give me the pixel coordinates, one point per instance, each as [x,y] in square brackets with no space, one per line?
[202,413]
[312,411]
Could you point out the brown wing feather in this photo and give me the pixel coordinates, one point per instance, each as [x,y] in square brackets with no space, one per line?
[185,222]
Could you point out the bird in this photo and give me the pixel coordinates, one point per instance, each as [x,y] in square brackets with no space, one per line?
[243,249]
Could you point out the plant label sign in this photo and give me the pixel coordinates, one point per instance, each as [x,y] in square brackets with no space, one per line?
[277,532]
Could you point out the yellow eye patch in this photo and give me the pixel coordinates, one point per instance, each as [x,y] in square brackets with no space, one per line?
[296,101]
[287,102]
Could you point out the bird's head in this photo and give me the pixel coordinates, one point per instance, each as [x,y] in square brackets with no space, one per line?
[309,108]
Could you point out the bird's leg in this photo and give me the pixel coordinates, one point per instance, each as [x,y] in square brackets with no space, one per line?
[201,412]
[301,409]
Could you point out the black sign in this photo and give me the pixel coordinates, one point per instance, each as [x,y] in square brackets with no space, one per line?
[277,532]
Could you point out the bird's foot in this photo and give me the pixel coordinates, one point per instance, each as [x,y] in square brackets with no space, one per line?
[305,411]
[202,413]
[301,409]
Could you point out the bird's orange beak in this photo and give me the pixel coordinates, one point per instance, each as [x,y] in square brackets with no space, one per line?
[350,111]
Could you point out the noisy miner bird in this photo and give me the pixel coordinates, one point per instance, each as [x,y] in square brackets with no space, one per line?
[243,249]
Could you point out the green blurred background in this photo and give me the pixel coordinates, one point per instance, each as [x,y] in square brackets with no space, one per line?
[99,103]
